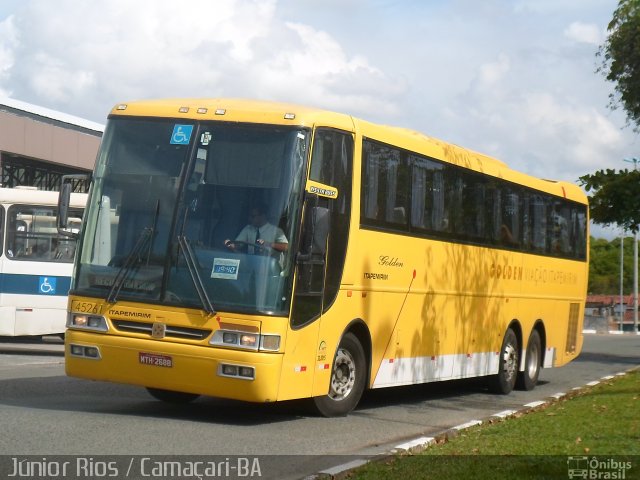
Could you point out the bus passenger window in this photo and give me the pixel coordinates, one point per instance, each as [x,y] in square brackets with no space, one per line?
[17,238]
[386,183]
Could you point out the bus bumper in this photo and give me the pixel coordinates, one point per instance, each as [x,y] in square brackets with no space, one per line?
[172,366]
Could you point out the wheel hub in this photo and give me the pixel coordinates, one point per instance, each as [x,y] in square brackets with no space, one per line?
[344,375]
[510,359]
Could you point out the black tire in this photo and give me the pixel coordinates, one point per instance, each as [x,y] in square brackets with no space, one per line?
[504,381]
[348,377]
[169,396]
[528,378]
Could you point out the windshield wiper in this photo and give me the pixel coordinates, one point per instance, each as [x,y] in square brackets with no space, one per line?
[190,260]
[129,262]
[146,236]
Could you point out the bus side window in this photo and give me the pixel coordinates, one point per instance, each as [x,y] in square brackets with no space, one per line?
[64,249]
[17,238]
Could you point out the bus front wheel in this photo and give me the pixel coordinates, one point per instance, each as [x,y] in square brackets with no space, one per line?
[504,381]
[528,378]
[347,379]
[170,396]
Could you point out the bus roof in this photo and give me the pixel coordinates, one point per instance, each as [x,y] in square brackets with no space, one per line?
[267,112]
[233,110]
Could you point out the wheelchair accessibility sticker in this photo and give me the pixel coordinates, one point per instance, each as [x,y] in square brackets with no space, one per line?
[47,285]
[181,134]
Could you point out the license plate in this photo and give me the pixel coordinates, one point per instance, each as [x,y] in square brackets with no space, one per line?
[155,360]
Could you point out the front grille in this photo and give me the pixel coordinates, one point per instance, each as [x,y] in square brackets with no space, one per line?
[171,331]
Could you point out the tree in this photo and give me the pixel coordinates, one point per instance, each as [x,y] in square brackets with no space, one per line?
[616,197]
[620,56]
[604,266]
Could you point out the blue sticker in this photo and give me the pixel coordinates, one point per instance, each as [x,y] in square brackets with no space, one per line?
[181,134]
[225,268]
[47,285]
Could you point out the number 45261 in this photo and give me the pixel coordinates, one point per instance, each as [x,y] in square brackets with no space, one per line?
[86,307]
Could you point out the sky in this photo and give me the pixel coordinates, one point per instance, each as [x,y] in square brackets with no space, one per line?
[514,79]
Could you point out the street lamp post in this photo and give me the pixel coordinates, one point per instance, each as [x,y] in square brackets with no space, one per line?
[620,325]
[635,161]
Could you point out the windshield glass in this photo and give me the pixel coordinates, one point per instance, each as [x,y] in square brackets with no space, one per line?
[194,214]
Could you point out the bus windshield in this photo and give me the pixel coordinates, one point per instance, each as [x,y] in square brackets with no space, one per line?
[194,214]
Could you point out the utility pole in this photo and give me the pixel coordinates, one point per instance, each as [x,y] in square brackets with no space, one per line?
[621,318]
[635,161]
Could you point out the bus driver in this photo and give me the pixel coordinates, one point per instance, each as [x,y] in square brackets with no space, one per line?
[259,232]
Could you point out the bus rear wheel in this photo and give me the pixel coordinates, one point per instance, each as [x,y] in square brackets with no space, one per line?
[347,379]
[169,396]
[528,378]
[504,381]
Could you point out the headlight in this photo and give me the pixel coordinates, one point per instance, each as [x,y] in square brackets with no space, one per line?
[83,321]
[248,340]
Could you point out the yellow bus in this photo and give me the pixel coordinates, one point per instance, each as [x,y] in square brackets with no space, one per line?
[263,252]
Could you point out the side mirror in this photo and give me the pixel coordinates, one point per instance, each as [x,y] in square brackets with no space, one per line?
[64,201]
[320,230]
[315,230]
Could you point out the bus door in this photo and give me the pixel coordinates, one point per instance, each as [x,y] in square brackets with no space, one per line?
[320,263]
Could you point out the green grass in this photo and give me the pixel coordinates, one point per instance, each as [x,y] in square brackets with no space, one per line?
[601,422]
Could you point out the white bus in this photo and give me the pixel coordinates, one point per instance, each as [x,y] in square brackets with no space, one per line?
[35,261]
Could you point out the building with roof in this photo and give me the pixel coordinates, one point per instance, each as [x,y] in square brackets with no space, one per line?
[602,313]
[38,146]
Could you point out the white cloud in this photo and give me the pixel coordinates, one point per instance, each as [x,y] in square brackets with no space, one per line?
[314,68]
[9,35]
[58,81]
[584,33]
[581,135]
[555,7]
[491,73]
[87,56]
[547,132]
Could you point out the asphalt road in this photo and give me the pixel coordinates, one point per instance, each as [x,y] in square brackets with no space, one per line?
[44,413]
